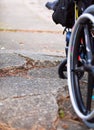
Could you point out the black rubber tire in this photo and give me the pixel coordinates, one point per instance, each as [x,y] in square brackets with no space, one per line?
[83,110]
[90,10]
[62,70]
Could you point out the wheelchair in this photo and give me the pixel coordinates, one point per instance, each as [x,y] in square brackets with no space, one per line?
[79,65]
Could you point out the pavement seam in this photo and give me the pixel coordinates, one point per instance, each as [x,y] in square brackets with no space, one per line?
[29,64]
[28,30]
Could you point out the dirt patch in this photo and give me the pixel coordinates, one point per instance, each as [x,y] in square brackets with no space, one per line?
[4,126]
[23,70]
[31,31]
[65,109]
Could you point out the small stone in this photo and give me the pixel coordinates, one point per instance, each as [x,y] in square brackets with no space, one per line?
[2,48]
[1,104]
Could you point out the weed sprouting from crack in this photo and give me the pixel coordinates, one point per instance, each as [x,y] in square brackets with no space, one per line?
[65,109]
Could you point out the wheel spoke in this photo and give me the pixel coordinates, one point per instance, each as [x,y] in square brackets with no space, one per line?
[88,45]
[89,92]
[89,61]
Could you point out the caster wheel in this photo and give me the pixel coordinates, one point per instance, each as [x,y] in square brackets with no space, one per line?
[62,70]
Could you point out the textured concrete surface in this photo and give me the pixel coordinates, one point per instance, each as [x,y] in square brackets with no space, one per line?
[31,47]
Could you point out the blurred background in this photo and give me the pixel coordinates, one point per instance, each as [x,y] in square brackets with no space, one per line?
[26,26]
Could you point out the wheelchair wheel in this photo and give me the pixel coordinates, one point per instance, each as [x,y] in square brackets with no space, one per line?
[81,61]
[62,70]
[90,10]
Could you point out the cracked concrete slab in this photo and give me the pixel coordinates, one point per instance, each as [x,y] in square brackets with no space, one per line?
[29,101]
[7,60]
[25,102]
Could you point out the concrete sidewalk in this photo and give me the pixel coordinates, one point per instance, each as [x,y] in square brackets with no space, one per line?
[30,94]
[31,48]
[27,96]
[23,28]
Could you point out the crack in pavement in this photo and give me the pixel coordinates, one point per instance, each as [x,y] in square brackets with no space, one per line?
[20,97]
[4,126]
[23,70]
[32,31]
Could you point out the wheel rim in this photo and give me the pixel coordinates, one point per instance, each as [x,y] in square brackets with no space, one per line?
[79,104]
